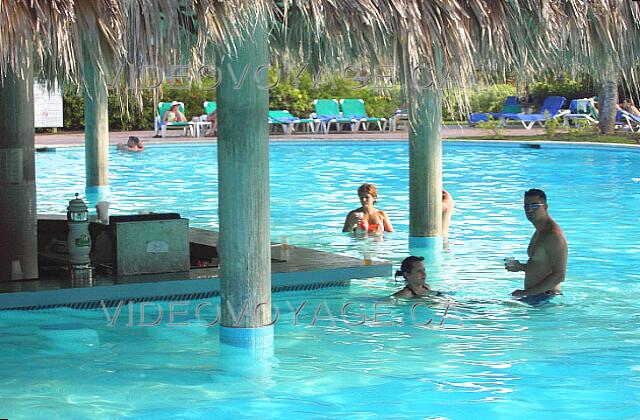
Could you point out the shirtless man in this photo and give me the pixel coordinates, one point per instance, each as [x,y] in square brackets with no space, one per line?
[447,209]
[547,264]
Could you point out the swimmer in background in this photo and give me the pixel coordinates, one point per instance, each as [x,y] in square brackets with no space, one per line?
[447,209]
[367,218]
[134,144]
[415,275]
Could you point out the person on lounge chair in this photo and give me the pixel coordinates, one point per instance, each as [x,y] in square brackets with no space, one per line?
[213,119]
[630,107]
[174,114]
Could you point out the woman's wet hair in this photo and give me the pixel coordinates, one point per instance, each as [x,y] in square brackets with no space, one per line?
[407,265]
[368,189]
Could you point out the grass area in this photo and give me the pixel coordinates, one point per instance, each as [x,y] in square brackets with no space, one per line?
[571,136]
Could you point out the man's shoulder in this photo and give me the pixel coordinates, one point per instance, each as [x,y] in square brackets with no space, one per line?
[554,236]
[556,230]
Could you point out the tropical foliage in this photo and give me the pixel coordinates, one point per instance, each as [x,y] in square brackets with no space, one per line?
[439,44]
[581,87]
[297,92]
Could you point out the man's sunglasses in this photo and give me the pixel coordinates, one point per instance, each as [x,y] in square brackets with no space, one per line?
[533,206]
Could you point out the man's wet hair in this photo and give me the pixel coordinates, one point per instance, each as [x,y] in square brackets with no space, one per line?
[535,192]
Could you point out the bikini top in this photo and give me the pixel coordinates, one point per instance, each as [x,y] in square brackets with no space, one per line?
[414,294]
[373,227]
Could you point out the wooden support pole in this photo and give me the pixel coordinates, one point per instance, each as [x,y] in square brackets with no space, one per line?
[18,211]
[425,169]
[243,165]
[96,131]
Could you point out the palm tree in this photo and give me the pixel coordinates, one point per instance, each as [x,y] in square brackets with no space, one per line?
[602,38]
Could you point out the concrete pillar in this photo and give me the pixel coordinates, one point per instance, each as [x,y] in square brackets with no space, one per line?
[243,165]
[18,212]
[425,169]
[96,132]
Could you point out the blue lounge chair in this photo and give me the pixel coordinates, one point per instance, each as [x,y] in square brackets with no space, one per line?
[581,110]
[627,121]
[551,108]
[510,106]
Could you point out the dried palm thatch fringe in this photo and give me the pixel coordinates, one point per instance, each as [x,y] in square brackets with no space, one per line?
[603,38]
[438,43]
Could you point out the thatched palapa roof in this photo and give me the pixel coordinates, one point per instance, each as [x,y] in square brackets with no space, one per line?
[449,41]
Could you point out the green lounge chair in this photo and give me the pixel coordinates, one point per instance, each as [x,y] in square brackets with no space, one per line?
[161,127]
[210,107]
[327,113]
[354,110]
[288,121]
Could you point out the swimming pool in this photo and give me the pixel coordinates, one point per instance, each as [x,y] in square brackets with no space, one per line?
[488,356]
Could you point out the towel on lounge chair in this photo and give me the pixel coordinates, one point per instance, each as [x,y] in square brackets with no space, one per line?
[581,110]
[551,108]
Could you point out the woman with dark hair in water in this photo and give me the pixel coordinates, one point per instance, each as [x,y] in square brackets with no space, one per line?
[415,275]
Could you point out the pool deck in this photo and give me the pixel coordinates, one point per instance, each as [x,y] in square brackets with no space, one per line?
[449,133]
[67,139]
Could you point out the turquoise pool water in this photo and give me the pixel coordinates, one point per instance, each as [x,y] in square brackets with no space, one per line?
[490,357]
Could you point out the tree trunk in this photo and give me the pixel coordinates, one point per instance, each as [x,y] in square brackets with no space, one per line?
[608,102]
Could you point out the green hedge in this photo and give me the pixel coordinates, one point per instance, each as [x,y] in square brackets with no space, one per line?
[297,94]
[582,87]
[481,99]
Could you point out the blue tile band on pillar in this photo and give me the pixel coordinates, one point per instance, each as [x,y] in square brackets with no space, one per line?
[95,194]
[257,338]
[434,242]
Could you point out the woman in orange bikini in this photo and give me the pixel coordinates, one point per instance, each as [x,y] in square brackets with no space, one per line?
[367,218]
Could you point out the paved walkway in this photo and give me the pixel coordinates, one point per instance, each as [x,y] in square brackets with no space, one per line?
[115,137]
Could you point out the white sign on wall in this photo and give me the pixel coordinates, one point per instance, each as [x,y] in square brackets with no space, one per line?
[47,106]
